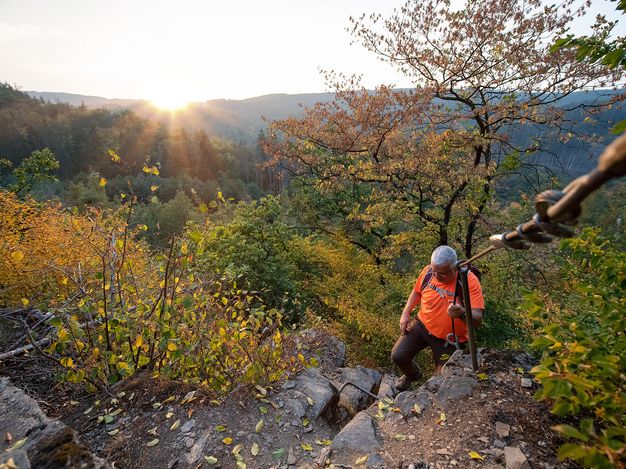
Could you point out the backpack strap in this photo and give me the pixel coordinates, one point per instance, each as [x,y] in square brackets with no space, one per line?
[427,278]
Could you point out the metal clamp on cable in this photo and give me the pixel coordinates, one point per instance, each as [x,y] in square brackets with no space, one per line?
[533,233]
[543,202]
[500,241]
[555,229]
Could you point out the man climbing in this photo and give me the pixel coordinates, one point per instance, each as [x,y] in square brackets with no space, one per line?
[439,317]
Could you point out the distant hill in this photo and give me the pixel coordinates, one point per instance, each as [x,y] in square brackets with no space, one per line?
[242,120]
[239,120]
[80,99]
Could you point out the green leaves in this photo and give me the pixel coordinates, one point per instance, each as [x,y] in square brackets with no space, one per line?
[570,432]
[579,371]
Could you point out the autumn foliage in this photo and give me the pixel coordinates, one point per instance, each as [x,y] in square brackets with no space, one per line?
[119,308]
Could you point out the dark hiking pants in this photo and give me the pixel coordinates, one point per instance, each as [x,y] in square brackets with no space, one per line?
[418,338]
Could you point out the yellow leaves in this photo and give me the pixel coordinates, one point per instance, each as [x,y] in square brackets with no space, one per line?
[114,156]
[442,419]
[171,347]
[153,442]
[153,188]
[25,301]
[475,455]
[138,342]
[151,170]
[103,182]
[17,256]
[67,362]
[227,441]
[360,461]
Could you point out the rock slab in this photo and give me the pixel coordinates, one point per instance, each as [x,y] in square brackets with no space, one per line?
[47,442]
[455,387]
[515,459]
[351,398]
[359,437]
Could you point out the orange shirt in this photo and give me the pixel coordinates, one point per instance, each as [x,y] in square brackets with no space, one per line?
[434,302]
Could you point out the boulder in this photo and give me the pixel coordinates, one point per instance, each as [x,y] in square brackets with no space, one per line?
[455,387]
[459,364]
[387,387]
[328,350]
[359,437]
[47,442]
[351,398]
[406,401]
[309,394]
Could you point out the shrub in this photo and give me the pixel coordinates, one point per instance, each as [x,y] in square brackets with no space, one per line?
[584,361]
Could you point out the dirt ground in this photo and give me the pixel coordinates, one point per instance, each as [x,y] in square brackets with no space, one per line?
[470,423]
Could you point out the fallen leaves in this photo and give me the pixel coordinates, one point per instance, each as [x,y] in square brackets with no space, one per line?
[259,426]
[475,455]
[175,425]
[278,453]
[323,442]
[17,445]
[152,442]
[190,396]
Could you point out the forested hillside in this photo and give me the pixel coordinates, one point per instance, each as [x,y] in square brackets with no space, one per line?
[135,246]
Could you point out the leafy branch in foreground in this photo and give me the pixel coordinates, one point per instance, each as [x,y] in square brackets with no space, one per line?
[583,365]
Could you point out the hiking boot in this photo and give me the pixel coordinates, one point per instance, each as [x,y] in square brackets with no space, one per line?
[404,382]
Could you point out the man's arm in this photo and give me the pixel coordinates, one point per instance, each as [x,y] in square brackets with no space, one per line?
[411,302]
[456,311]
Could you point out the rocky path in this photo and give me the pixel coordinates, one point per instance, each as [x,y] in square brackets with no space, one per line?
[459,419]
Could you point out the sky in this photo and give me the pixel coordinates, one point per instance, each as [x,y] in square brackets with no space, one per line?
[187,50]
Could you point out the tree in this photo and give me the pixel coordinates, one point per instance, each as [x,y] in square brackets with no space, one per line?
[599,47]
[36,168]
[479,72]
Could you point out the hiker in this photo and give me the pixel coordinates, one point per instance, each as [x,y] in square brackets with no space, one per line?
[435,292]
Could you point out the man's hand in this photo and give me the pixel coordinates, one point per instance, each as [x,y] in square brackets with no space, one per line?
[405,319]
[456,311]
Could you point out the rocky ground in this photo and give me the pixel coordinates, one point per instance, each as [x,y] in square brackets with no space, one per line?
[459,419]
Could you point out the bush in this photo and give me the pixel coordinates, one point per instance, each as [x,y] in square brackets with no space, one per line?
[584,361]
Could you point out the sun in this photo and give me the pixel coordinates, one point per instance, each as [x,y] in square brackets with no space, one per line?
[171,102]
